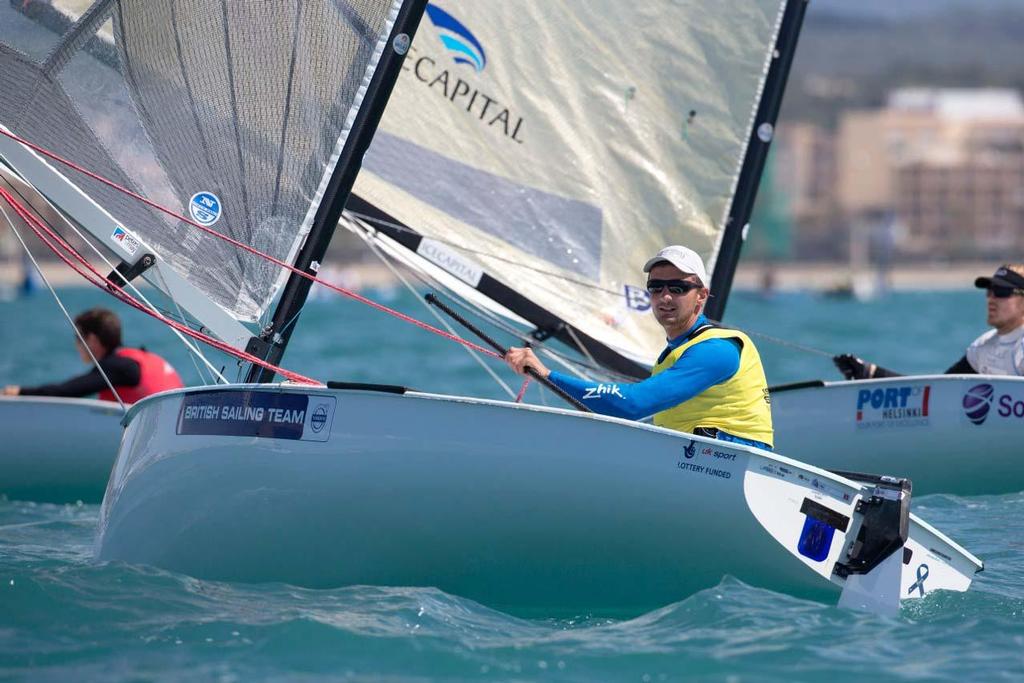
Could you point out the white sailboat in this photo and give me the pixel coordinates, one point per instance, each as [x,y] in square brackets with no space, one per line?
[958,434]
[55,450]
[502,161]
[529,509]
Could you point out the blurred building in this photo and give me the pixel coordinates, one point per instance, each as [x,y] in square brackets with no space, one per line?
[805,162]
[807,169]
[948,164]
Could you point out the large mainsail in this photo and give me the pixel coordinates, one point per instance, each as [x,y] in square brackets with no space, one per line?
[232,113]
[556,145]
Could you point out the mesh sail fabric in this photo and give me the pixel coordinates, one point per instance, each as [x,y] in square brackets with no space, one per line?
[34,105]
[558,144]
[247,103]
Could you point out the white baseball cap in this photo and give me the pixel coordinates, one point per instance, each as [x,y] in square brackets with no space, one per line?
[683,258]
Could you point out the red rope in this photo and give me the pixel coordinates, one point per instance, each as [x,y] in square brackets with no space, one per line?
[252,250]
[522,390]
[46,234]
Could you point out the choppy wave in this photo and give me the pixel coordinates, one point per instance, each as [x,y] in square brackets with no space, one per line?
[64,617]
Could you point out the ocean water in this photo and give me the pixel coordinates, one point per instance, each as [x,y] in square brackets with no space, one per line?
[63,617]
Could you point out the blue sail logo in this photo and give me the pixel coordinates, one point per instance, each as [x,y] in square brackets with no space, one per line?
[459,40]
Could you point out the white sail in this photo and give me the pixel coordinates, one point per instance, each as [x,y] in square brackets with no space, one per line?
[231,114]
[560,144]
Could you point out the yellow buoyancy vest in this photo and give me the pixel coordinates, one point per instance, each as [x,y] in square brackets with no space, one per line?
[740,405]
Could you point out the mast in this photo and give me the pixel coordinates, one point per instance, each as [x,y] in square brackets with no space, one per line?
[272,343]
[754,160]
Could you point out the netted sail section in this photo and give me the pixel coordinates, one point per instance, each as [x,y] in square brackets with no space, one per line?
[558,144]
[230,113]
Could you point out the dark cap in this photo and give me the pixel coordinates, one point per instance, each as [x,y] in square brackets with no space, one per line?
[1003,277]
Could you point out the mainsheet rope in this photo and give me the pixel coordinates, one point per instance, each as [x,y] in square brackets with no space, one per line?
[241,245]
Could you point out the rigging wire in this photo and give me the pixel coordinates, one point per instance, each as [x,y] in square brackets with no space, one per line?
[574,365]
[461,247]
[245,247]
[594,365]
[577,366]
[543,398]
[181,314]
[53,292]
[582,369]
[194,351]
[565,362]
[583,349]
[783,342]
[473,354]
[101,282]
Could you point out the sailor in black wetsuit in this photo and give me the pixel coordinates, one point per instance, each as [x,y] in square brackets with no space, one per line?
[135,373]
[1000,351]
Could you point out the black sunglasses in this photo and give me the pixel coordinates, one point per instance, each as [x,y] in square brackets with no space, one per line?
[674,286]
[1004,292]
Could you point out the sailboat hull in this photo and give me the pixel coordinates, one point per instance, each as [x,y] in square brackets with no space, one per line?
[958,434]
[536,511]
[57,450]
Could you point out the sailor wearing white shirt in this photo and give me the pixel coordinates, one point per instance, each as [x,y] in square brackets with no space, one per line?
[1000,351]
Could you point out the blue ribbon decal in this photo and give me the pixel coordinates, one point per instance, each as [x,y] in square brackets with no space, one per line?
[922,574]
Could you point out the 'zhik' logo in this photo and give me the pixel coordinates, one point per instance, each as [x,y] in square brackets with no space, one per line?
[459,40]
[977,402]
[603,390]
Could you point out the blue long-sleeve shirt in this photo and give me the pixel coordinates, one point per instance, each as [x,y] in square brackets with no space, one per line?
[701,366]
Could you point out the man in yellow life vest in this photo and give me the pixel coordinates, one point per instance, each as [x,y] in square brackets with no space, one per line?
[708,380]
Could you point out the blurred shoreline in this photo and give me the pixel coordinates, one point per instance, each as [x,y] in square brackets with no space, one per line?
[817,277]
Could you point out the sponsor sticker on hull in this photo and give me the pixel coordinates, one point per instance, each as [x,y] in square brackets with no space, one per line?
[261,414]
[982,403]
[707,461]
[899,406]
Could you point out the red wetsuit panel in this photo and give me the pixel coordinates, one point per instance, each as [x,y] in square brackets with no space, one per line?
[155,375]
